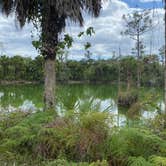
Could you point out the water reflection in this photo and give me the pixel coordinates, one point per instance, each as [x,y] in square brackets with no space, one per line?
[73,97]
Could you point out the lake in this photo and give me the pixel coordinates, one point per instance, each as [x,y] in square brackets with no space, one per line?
[78,98]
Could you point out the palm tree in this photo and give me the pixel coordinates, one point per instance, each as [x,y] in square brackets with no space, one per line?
[51,16]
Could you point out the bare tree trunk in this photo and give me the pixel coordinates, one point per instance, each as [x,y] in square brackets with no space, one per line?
[165,68]
[119,71]
[138,63]
[50,83]
[128,80]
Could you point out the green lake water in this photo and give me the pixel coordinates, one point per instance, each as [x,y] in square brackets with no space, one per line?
[76,97]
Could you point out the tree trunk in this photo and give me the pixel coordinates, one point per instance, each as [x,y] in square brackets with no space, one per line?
[119,71]
[165,69]
[128,80]
[49,85]
[51,26]
[138,63]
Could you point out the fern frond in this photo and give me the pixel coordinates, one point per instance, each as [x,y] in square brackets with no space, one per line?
[138,161]
[158,160]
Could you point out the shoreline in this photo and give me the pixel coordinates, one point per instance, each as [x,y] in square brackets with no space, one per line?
[20,82]
[71,82]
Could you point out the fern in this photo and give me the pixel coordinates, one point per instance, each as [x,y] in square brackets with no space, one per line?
[136,142]
[137,161]
[158,160]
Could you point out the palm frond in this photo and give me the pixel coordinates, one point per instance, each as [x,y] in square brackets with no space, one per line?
[27,10]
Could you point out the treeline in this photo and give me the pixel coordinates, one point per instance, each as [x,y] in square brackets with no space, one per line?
[21,68]
[113,70]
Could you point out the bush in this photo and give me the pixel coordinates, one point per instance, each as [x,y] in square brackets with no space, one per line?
[137,161]
[83,139]
[20,138]
[135,142]
[158,160]
[8,120]
[126,99]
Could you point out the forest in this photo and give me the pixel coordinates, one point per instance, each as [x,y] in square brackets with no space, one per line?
[18,68]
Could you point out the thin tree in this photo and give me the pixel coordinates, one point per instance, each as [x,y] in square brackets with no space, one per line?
[162,55]
[137,23]
[119,70]
[1,48]
[50,16]
[165,65]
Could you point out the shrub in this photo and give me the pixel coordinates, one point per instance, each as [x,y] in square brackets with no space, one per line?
[137,161]
[21,137]
[136,142]
[82,139]
[8,120]
[126,99]
[158,160]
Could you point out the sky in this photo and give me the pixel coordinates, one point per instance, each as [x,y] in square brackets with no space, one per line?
[107,38]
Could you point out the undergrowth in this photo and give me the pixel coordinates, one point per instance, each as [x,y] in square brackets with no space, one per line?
[86,139]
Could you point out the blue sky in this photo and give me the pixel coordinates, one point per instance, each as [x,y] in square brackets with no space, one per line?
[144,3]
[108,29]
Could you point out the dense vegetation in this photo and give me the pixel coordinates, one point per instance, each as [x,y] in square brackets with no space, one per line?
[86,70]
[82,134]
[45,138]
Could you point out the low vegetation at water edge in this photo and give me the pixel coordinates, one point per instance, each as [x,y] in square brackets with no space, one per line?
[78,139]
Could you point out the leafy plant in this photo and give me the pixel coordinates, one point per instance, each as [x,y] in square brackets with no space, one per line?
[137,161]
[158,160]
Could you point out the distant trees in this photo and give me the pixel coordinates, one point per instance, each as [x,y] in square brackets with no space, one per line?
[19,68]
[137,23]
[98,71]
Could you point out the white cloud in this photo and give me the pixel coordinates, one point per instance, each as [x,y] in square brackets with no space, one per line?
[15,41]
[108,29]
[106,40]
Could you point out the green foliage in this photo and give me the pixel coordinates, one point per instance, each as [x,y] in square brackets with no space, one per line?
[136,142]
[19,68]
[65,43]
[12,119]
[158,160]
[137,161]
[90,31]
[80,34]
[157,125]
[20,136]
[37,44]
[77,139]
[84,139]
[127,98]
[61,162]
[87,45]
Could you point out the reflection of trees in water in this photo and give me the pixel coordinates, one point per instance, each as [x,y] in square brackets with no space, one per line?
[77,97]
[102,92]
[148,106]
[85,95]
[16,95]
[68,95]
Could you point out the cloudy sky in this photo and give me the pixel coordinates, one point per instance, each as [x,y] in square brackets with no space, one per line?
[108,28]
